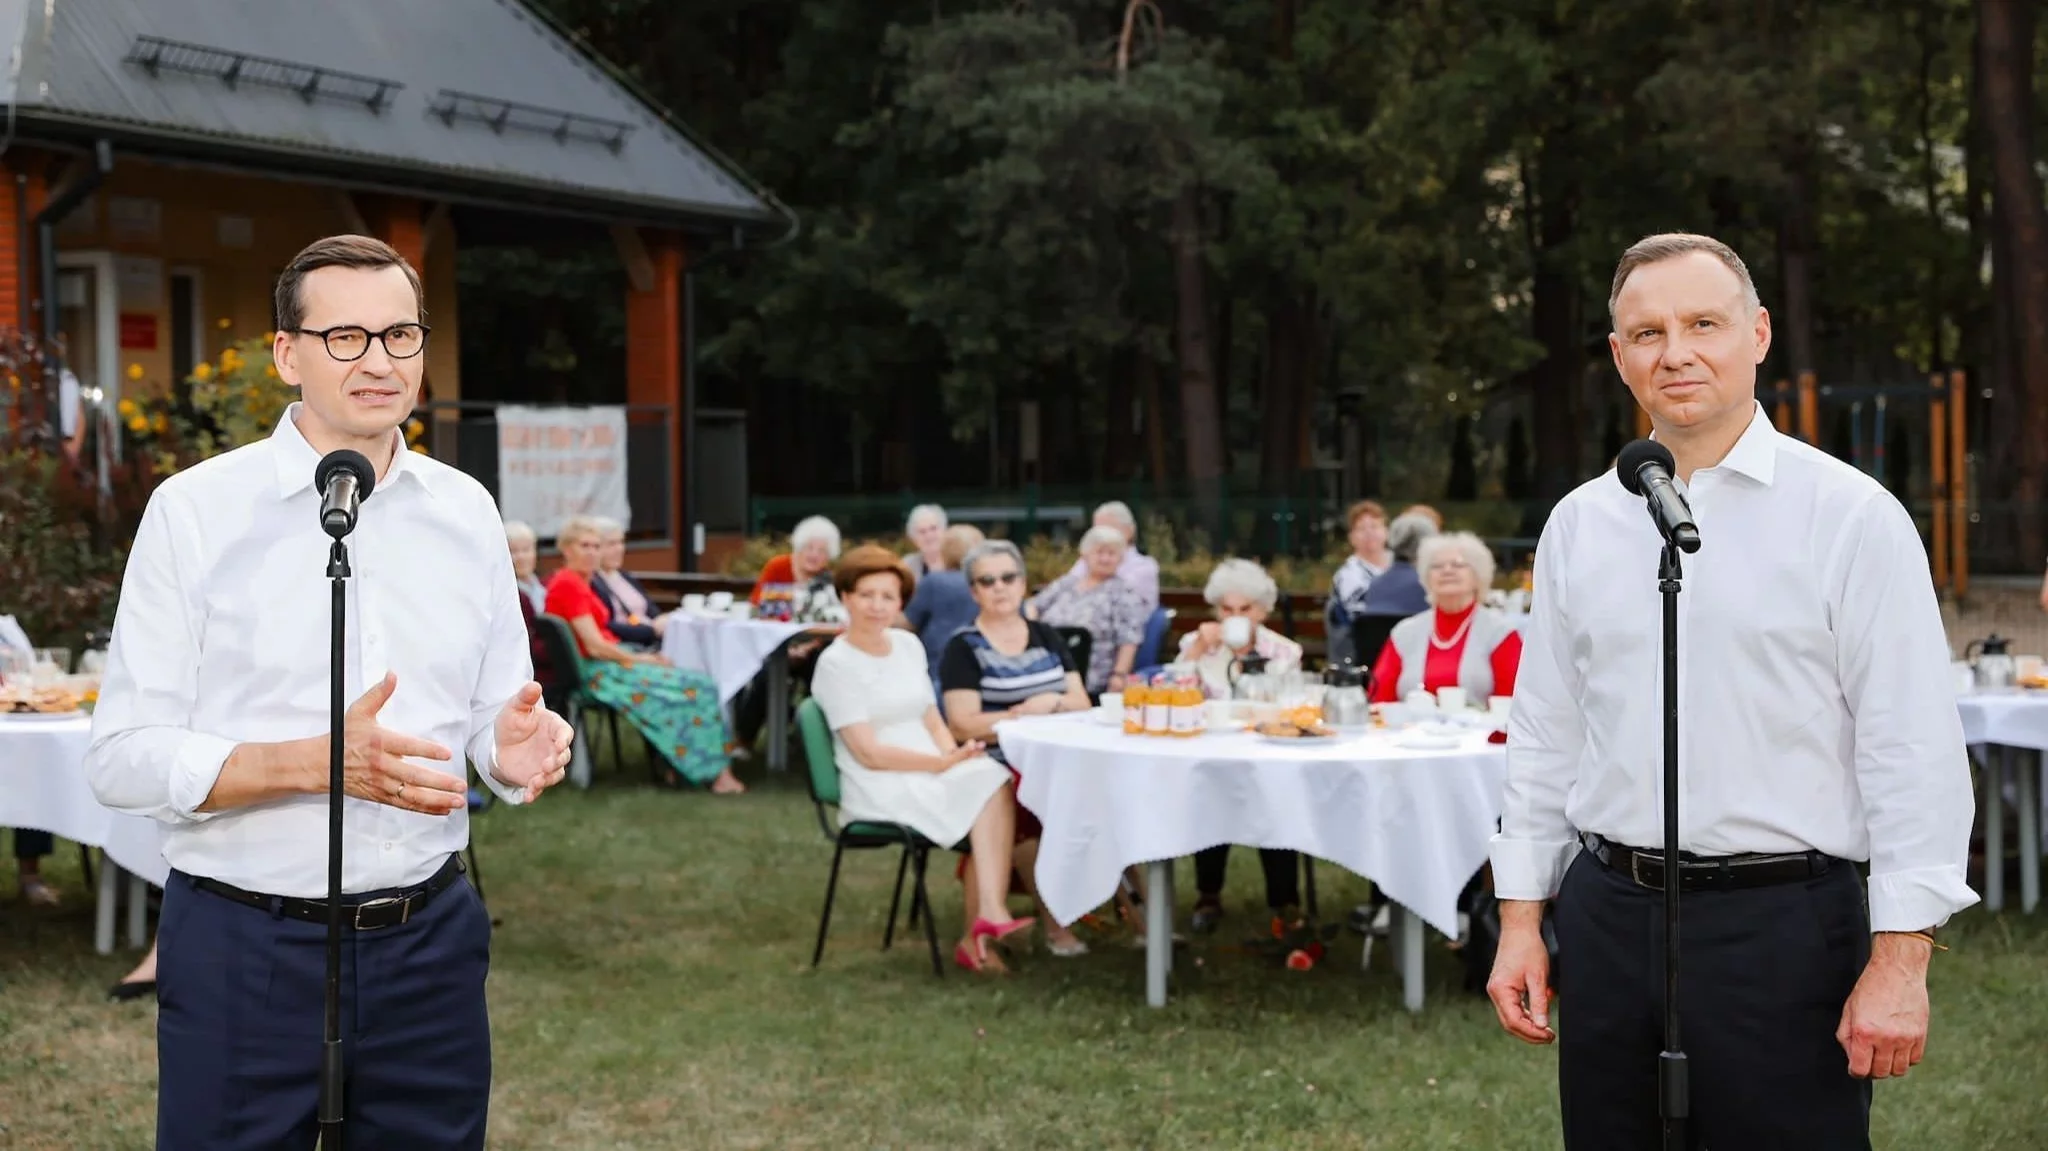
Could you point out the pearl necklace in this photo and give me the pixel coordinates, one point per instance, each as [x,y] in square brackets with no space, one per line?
[1456,636]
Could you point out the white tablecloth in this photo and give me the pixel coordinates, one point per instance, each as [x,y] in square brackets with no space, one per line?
[42,785]
[2015,718]
[730,651]
[1415,822]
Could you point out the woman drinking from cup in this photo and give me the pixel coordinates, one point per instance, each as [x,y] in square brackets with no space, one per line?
[1458,645]
[1243,595]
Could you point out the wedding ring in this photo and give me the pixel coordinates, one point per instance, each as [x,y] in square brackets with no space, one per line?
[400,794]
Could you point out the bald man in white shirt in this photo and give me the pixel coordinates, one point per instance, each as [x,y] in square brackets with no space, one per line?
[213,719]
[1817,733]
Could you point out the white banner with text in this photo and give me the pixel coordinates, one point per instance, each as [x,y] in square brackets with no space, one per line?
[554,463]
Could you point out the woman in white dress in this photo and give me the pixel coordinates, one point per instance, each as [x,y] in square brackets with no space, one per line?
[898,762]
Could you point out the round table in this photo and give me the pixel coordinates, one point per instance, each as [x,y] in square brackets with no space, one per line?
[2002,722]
[42,785]
[1414,819]
[730,651]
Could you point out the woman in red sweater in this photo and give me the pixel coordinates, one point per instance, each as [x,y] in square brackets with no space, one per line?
[1456,643]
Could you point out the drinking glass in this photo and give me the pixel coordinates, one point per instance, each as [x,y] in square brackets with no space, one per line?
[52,664]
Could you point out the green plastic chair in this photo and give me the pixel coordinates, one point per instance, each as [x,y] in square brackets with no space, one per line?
[859,835]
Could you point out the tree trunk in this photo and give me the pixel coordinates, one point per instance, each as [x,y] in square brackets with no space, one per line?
[1201,426]
[1279,417]
[1155,423]
[1120,450]
[1556,314]
[2006,32]
[1796,245]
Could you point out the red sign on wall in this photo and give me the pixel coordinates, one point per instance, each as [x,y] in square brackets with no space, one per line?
[138,330]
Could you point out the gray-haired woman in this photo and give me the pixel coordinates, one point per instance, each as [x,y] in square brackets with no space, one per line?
[1095,598]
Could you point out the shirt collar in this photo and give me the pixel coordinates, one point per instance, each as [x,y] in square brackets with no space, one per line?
[296,459]
[1754,455]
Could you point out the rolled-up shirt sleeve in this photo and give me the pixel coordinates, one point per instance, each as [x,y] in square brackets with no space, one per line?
[1912,768]
[1546,733]
[507,667]
[145,759]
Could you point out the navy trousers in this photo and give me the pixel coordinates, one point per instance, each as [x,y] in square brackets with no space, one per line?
[241,994]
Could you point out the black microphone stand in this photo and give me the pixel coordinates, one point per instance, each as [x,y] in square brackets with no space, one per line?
[1673,1090]
[330,1050]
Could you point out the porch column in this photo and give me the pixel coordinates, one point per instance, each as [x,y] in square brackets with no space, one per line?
[654,349]
[25,194]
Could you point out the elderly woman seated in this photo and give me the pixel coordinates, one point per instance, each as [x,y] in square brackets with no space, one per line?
[525,548]
[1242,595]
[1398,591]
[943,604]
[634,618]
[1096,599]
[676,710]
[1002,666]
[1456,643]
[897,761]
[1140,572]
[796,587]
[925,527]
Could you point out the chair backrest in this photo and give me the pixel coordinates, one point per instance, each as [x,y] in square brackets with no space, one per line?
[823,773]
[1080,645]
[1155,636]
[563,654]
[1369,634]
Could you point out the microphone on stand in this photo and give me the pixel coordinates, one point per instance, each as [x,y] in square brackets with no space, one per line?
[344,480]
[1645,468]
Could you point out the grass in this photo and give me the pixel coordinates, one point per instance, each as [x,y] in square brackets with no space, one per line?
[651,988]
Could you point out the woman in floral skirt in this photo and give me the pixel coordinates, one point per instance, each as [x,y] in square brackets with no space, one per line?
[676,710]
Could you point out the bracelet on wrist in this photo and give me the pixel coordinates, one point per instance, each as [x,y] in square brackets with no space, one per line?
[1926,935]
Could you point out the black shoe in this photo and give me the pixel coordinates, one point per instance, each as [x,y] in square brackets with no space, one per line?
[1206,916]
[140,989]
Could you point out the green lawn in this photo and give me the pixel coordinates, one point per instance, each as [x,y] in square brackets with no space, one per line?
[652,989]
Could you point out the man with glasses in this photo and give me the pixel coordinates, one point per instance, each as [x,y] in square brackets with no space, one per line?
[213,719]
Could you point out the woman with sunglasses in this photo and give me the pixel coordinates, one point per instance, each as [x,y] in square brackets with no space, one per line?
[1456,643]
[1003,666]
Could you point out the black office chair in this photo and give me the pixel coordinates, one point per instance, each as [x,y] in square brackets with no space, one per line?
[1080,645]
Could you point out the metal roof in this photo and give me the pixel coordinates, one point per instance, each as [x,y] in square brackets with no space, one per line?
[448,95]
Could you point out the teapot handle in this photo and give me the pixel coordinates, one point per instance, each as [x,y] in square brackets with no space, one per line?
[1972,649]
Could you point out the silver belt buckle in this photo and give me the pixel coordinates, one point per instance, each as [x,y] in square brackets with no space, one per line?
[1635,872]
[403,915]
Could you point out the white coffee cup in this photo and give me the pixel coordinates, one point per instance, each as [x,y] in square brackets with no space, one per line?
[1451,698]
[1237,631]
[693,603]
[1111,708]
[1499,705]
[1419,701]
[718,600]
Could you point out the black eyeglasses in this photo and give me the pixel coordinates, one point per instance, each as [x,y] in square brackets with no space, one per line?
[352,341]
[993,580]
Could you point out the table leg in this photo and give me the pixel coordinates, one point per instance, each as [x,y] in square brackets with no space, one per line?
[1158,930]
[778,710]
[1994,829]
[1408,926]
[2027,765]
[579,753]
[138,911]
[103,909]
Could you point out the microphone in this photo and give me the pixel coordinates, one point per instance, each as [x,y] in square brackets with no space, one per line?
[344,479]
[1645,468]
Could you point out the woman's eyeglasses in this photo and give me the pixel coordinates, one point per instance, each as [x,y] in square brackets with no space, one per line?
[1005,579]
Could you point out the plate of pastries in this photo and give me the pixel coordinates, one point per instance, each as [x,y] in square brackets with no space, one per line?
[1293,731]
[42,703]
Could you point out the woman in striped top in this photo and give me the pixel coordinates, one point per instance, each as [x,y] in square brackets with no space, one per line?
[1001,667]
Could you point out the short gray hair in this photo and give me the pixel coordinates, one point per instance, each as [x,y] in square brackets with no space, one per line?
[1103,536]
[1407,533]
[1245,578]
[578,527]
[924,511]
[1473,550]
[989,549]
[1120,512]
[607,527]
[815,528]
[519,531]
[1671,245]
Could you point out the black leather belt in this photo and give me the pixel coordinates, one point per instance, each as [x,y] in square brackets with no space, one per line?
[1645,868]
[361,915]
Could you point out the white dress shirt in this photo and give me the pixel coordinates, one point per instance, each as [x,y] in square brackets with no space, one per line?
[1815,711]
[222,637]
